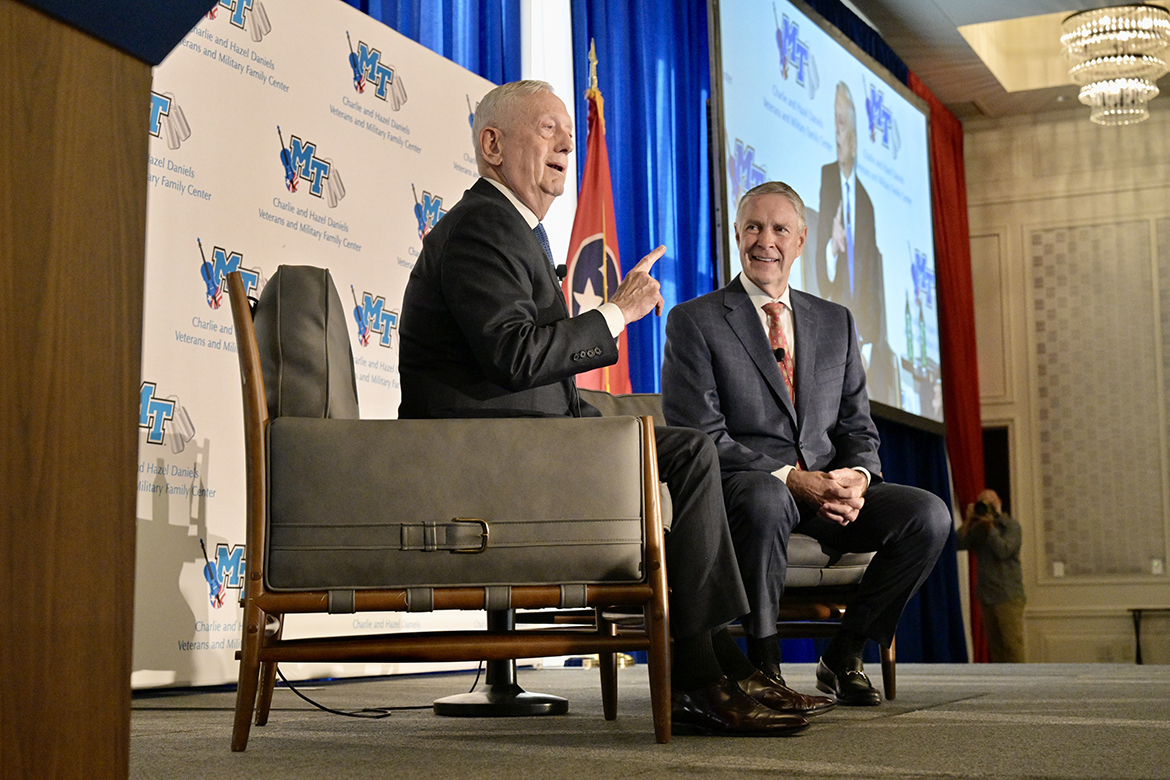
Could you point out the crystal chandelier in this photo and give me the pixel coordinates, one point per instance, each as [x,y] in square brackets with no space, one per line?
[1117,55]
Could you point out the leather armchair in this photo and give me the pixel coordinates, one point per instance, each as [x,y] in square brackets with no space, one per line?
[348,515]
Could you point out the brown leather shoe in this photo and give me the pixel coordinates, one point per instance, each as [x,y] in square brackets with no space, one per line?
[722,708]
[781,698]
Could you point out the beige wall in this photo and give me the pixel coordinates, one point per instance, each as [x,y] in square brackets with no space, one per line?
[1070,243]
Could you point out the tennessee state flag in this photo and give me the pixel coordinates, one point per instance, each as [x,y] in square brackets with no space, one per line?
[594,268]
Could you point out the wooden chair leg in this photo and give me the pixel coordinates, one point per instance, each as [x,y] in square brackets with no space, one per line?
[607,664]
[264,695]
[267,680]
[659,663]
[249,677]
[889,681]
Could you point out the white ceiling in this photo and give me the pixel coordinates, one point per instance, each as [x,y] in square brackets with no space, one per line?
[925,35]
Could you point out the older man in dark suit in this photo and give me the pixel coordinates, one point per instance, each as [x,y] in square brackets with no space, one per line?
[485,332]
[849,267]
[775,377]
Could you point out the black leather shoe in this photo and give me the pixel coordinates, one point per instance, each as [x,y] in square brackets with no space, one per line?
[849,683]
[722,708]
[780,697]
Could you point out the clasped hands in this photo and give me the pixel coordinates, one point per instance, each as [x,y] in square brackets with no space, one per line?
[838,494]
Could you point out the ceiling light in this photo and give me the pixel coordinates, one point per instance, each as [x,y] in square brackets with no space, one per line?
[1117,54]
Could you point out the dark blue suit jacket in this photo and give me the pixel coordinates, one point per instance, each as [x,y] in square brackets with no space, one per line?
[719,375]
[485,331]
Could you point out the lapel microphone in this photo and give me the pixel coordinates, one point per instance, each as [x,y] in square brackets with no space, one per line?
[562,271]
[779,353]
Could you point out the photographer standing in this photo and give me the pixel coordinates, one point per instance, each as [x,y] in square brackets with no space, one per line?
[995,537]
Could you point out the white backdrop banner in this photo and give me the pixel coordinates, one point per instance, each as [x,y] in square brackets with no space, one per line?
[297,132]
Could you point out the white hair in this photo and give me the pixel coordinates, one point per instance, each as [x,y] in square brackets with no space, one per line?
[496,107]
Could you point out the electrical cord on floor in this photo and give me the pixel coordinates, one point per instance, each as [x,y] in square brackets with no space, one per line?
[370,713]
[478,672]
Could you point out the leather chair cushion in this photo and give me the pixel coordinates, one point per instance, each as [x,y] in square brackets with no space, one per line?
[633,404]
[562,500]
[305,353]
[811,564]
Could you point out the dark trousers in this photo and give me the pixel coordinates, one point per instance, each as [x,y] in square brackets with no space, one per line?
[905,526]
[705,586]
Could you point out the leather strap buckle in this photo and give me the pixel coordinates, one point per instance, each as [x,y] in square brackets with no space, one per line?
[484,533]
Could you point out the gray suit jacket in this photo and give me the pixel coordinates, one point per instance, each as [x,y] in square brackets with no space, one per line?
[485,331]
[719,375]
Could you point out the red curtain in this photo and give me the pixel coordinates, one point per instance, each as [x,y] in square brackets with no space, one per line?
[952,246]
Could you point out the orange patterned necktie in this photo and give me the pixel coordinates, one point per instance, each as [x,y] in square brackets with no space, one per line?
[780,346]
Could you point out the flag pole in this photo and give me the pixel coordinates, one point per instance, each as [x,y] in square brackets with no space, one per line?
[595,214]
[594,94]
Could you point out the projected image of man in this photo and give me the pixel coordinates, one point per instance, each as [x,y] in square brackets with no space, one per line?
[849,266]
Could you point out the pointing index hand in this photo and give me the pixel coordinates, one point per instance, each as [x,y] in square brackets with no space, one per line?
[639,291]
[647,262]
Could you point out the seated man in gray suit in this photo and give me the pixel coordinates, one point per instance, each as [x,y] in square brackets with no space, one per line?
[485,333]
[774,376]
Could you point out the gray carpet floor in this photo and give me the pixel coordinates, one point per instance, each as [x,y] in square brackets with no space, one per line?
[948,721]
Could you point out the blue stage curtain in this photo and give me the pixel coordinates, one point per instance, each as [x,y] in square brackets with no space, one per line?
[931,628]
[481,35]
[653,72]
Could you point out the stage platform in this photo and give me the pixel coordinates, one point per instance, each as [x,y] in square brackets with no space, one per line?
[948,721]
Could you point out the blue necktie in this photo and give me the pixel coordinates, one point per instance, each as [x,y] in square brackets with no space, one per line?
[543,236]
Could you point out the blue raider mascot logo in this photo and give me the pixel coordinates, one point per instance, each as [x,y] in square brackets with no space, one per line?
[369,68]
[923,276]
[373,317]
[214,274]
[427,212]
[743,171]
[795,55]
[164,419]
[168,120]
[247,15]
[883,128]
[225,572]
[301,164]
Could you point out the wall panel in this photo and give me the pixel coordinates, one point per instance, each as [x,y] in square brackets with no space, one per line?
[1081,372]
[991,323]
